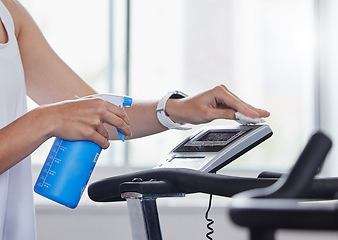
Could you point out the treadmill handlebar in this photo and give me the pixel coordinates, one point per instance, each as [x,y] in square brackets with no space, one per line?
[180,180]
[191,181]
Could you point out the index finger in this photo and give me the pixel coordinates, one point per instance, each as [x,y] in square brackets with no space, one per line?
[117,118]
[224,97]
[230,99]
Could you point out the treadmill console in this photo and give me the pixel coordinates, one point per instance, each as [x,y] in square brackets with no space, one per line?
[210,149]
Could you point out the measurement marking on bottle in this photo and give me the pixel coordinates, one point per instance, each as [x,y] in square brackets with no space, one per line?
[96,157]
[47,168]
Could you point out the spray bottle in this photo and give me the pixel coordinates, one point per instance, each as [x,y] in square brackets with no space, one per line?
[69,164]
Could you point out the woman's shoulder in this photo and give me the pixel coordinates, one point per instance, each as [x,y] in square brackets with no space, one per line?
[18,13]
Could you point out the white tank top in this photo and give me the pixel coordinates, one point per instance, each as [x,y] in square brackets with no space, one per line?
[17,218]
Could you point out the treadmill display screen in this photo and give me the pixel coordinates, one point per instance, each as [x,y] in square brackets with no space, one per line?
[211,141]
[217,136]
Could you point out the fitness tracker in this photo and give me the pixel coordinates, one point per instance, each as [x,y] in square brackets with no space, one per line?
[163,116]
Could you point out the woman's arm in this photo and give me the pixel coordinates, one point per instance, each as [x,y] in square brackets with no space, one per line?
[71,120]
[216,103]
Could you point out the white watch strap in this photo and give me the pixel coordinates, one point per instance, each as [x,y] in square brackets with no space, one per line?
[163,116]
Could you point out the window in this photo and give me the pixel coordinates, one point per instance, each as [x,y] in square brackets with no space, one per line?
[264,51]
[261,50]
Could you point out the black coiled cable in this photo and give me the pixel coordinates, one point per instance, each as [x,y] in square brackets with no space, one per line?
[210,220]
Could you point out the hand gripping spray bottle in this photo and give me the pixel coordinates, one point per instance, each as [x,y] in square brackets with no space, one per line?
[69,164]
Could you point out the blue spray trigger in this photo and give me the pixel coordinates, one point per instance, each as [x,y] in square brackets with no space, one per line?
[118,132]
[120,135]
[127,101]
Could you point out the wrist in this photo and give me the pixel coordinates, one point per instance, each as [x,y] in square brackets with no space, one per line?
[47,120]
[167,110]
[173,110]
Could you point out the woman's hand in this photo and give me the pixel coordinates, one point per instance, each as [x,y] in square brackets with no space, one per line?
[217,103]
[84,119]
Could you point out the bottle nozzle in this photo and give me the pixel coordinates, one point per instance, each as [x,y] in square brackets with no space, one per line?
[127,101]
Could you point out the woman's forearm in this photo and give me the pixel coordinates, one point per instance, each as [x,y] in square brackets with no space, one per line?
[20,138]
[143,119]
